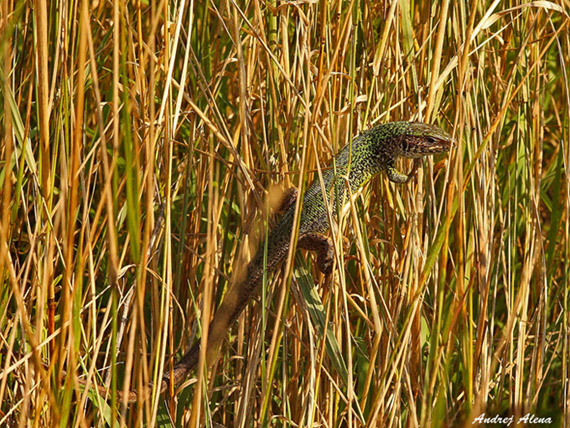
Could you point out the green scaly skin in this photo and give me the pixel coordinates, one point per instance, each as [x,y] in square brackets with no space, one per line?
[370,153]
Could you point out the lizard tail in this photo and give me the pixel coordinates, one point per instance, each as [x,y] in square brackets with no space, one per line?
[234,302]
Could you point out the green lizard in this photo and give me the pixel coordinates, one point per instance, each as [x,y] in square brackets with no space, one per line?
[371,152]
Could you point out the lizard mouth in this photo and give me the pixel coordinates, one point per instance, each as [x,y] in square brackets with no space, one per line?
[415,146]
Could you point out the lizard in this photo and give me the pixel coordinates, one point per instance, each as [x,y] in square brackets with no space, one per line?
[371,152]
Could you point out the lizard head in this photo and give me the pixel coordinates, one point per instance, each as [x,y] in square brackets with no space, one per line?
[420,139]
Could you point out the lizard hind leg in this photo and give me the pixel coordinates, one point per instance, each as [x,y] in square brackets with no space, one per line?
[324,248]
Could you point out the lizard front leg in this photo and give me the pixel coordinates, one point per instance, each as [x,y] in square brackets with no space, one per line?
[323,246]
[396,176]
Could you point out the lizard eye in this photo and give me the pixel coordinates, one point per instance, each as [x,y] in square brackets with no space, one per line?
[431,140]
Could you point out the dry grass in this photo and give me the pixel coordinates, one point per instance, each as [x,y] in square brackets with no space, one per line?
[138,141]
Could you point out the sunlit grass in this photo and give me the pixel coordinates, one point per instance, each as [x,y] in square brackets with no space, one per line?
[139,142]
